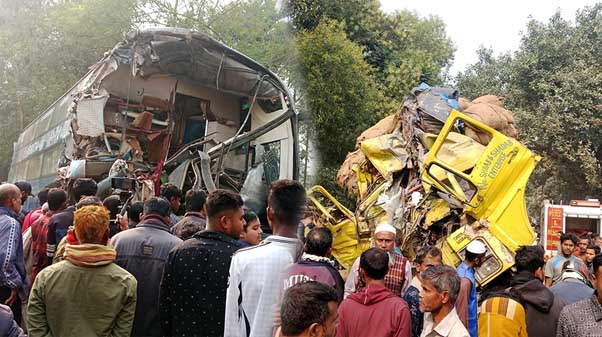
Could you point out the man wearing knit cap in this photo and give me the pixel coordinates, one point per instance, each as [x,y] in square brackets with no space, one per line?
[400,271]
[467,305]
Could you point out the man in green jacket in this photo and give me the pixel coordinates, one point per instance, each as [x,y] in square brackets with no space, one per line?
[86,294]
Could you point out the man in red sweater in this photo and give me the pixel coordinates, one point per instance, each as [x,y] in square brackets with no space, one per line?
[374,311]
[57,201]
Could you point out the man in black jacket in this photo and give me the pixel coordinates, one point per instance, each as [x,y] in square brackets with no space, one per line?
[143,252]
[195,218]
[542,308]
[60,222]
[193,290]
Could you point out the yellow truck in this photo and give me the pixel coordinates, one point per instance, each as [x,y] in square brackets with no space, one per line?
[470,190]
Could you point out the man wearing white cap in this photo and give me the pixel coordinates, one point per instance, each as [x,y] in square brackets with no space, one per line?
[400,271]
[467,305]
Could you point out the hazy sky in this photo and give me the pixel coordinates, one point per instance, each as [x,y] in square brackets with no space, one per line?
[495,24]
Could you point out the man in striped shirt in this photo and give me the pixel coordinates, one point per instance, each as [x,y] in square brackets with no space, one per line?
[502,316]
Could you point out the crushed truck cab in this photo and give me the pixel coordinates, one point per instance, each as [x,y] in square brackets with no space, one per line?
[492,192]
[471,186]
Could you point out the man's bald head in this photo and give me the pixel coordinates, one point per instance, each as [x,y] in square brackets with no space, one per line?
[10,197]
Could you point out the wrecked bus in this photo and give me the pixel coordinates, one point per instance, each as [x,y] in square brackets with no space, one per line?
[166,105]
[441,178]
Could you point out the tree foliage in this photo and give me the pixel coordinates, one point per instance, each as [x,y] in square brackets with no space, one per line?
[45,47]
[490,74]
[402,47]
[341,90]
[192,14]
[258,29]
[553,84]
[358,63]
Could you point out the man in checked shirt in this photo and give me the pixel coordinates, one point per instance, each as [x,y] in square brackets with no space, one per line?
[400,271]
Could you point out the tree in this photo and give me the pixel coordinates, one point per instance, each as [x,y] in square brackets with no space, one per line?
[191,14]
[342,94]
[388,53]
[416,49]
[258,29]
[402,47]
[552,83]
[558,73]
[489,75]
[45,47]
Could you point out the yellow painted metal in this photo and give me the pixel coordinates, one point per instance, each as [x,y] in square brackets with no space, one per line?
[346,245]
[437,210]
[457,151]
[386,153]
[364,180]
[460,151]
[369,213]
[497,259]
[499,178]
[489,180]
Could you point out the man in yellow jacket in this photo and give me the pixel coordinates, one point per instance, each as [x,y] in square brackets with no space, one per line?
[502,316]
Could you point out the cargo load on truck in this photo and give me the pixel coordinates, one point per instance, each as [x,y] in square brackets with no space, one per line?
[440,174]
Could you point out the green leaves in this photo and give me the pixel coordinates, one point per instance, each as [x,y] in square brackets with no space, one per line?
[357,63]
[45,47]
[341,93]
[552,83]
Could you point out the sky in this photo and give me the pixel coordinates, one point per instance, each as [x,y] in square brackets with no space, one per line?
[493,24]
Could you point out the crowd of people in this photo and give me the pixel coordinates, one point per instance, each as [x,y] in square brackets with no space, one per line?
[75,265]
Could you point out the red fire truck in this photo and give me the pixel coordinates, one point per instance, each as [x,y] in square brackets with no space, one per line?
[579,217]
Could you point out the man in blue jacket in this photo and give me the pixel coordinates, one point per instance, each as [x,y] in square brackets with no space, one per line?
[467,305]
[8,326]
[12,277]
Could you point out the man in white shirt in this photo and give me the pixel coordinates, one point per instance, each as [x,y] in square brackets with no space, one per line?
[440,287]
[257,273]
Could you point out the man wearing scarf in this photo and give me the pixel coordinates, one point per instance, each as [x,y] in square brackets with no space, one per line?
[87,294]
[315,264]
